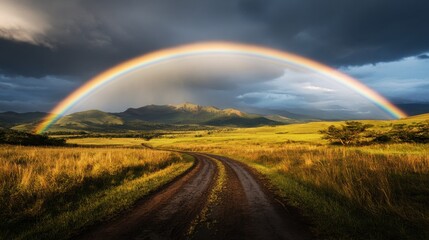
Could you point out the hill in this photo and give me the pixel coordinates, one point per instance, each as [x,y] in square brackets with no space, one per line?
[188,113]
[9,119]
[282,119]
[150,117]
[419,117]
[91,119]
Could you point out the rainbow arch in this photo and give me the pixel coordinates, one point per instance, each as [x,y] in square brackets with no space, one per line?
[206,48]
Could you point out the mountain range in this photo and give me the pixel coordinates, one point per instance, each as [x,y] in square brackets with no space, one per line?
[145,118]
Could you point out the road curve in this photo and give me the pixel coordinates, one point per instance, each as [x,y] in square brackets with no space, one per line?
[264,217]
[243,209]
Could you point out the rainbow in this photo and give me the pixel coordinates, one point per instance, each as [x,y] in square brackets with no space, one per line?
[207,48]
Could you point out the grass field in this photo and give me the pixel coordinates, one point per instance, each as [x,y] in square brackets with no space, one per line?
[366,192]
[300,133]
[49,193]
[347,193]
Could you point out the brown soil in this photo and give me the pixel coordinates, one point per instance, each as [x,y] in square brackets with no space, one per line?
[245,209]
[265,217]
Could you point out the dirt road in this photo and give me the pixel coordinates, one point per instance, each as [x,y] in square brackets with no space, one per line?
[218,199]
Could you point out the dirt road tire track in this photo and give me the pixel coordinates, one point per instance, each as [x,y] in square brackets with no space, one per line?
[246,209]
[166,214]
[266,217]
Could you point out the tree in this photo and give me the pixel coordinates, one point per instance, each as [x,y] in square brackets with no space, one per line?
[351,133]
[421,132]
[416,132]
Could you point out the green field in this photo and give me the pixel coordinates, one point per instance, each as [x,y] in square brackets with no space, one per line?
[302,133]
[377,191]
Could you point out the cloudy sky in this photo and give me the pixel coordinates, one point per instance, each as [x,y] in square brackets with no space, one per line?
[49,48]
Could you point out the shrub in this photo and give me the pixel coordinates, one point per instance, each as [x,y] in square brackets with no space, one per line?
[349,134]
[355,133]
[13,137]
[416,132]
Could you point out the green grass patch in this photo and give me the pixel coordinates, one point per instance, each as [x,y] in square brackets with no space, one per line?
[335,217]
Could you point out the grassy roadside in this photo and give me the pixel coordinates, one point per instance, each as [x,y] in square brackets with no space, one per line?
[87,186]
[347,193]
[336,217]
[369,192]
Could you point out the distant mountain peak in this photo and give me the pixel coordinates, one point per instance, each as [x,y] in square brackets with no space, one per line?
[187,106]
[191,107]
[233,111]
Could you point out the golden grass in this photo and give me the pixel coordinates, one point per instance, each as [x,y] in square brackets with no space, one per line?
[364,175]
[36,182]
[123,142]
[367,192]
[102,205]
[358,175]
[332,181]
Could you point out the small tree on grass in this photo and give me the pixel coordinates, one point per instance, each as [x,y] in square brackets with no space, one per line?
[421,132]
[351,133]
[416,132]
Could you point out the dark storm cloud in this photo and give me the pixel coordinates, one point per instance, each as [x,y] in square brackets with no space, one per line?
[27,94]
[346,32]
[48,48]
[80,38]
[86,37]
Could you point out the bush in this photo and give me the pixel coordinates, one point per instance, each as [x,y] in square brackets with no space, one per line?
[349,134]
[413,133]
[355,133]
[13,137]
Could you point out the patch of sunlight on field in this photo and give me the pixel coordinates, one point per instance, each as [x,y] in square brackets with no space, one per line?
[126,142]
[307,132]
[262,135]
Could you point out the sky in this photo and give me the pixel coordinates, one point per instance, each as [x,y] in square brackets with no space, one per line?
[49,48]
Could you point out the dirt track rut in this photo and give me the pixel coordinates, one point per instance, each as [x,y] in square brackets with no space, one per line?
[244,209]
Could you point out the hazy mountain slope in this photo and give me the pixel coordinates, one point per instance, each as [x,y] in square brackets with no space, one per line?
[9,119]
[89,119]
[281,119]
[241,121]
